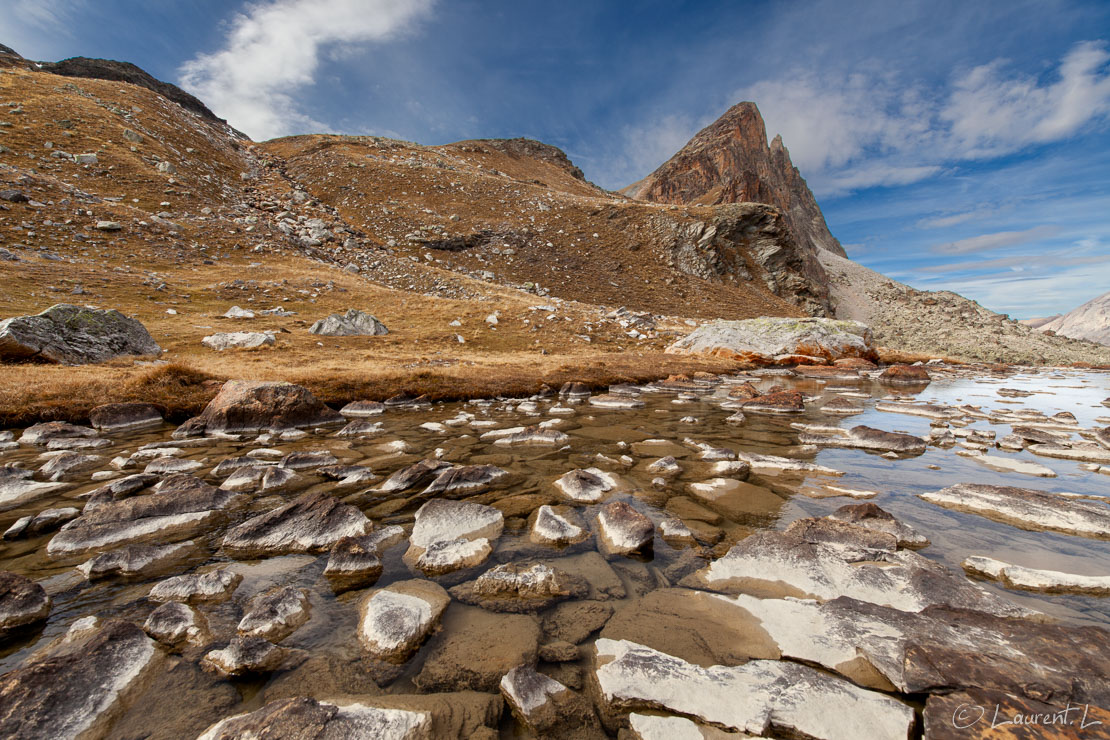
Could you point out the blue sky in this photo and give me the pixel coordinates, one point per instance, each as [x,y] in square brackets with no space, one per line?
[952,145]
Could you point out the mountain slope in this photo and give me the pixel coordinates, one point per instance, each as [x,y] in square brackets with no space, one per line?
[1091,321]
[943,323]
[730,161]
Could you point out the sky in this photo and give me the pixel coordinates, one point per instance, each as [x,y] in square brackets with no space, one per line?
[957,146]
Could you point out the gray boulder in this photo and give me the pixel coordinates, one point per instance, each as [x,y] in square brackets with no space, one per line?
[74,335]
[779,341]
[244,406]
[354,323]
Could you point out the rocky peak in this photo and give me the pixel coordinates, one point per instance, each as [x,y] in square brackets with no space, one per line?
[730,161]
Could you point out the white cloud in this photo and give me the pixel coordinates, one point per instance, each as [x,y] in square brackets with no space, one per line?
[990,115]
[997,240]
[273,49]
[649,145]
[846,132]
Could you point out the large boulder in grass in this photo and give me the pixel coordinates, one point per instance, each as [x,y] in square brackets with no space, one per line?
[73,335]
[244,406]
[351,324]
[779,341]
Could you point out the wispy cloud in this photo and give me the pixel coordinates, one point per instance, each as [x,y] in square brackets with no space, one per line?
[996,240]
[871,128]
[273,50]
[34,27]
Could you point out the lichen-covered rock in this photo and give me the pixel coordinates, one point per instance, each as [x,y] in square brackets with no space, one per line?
[244,655]
[197,588]
[22,603]
[244,406]
[449,535]
[394,621]
[541,703]
[414,475]
[779,341]
[465,479]
[351,324]
[310,523]
[870,516]
[45,521]
[18,487]
[46,432]
[514,587]
[868,438]
[586,486]
[173,623]
[1035,579]
[275,614]
[74,335]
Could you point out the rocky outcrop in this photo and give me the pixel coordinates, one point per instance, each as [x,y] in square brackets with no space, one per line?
[779,341]
[108,69]
[744,242]
[351,324]
[74,335]
[730,161]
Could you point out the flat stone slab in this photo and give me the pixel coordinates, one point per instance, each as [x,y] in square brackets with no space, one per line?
[1026,508]
[939,648]
[72,692]
[770,563]
[757,697]
[308,718]
[135,561]
[180,507]
[313,522]
[1034,579]
[18,487]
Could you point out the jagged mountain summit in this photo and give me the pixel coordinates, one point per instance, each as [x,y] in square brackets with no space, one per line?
[1090,321]
[730,161]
